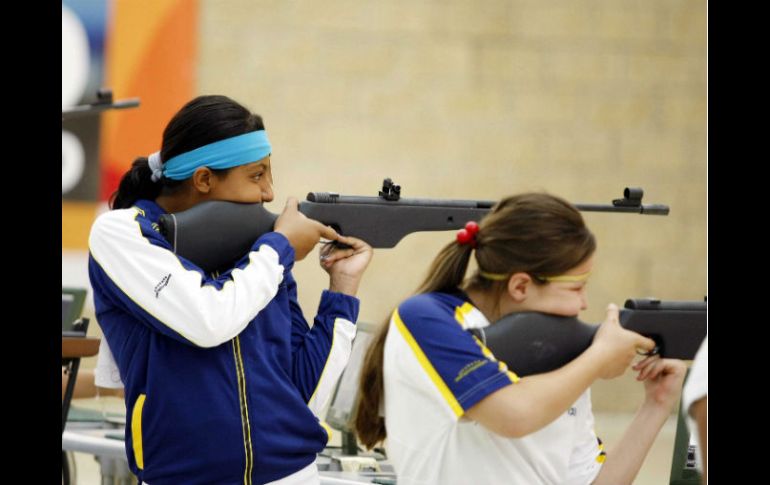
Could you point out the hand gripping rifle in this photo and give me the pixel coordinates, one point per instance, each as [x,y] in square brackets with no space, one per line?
[215,235]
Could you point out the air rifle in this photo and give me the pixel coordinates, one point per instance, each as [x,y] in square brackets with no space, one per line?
[532,343]
[215,235]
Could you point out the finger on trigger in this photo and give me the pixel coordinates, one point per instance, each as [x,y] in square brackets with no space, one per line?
[328,232]
[645,343]
[327,248]
[350,241]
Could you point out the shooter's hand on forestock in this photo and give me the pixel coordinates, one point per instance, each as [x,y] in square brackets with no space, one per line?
[303,233]
[618,345]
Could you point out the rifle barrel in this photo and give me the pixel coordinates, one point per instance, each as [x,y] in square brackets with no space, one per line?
[645,209]
[332,198]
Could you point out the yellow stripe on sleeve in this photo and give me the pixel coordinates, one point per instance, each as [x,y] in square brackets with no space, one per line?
[501,366]
[328,430]
[428,367]
[461,311]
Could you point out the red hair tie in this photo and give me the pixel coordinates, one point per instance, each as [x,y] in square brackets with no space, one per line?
[468,235]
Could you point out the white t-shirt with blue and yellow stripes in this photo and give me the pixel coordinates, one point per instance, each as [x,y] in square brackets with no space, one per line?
[435,370]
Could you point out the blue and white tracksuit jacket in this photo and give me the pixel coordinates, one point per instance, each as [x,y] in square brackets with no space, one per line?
[222,374]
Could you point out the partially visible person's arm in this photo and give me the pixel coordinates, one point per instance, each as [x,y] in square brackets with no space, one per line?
[663,381]
[106,373]
[625,458]
[525,407]
[85,386]
[136,268]
[320,354]
[535,401]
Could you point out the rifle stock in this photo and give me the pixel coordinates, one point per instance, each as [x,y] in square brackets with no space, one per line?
[533,343]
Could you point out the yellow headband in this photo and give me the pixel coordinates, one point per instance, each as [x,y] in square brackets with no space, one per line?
[494,276]
[550,279]
[571,278]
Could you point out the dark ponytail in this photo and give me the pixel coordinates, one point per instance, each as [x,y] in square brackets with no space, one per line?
[539,234]
[204,120]
[135,184]
[448,269]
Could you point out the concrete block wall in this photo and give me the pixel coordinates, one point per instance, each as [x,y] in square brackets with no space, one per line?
[478,100]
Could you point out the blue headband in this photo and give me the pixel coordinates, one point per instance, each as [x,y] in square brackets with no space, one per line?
[230,152]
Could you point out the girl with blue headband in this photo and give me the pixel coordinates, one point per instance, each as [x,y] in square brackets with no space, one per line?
[223,376]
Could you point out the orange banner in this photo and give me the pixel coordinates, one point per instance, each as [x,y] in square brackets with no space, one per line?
[151,53]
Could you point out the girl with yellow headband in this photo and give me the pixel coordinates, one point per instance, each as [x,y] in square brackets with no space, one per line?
[451,413]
